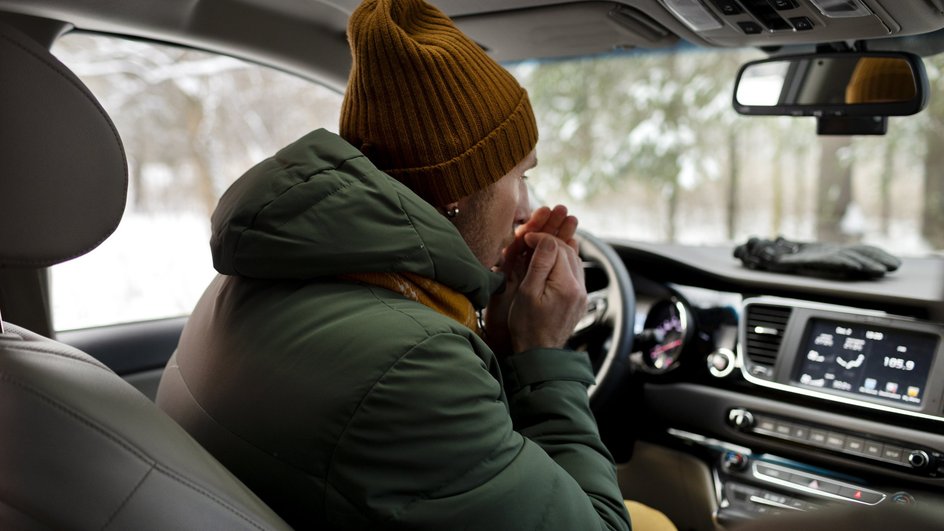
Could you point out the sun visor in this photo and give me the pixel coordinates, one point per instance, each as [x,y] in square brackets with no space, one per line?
[564,30]
[63,176]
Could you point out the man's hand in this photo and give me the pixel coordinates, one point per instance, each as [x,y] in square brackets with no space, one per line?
[551,297]
[555,222]
[516,258]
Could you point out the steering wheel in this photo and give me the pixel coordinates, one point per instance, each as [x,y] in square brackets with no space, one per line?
[606,331]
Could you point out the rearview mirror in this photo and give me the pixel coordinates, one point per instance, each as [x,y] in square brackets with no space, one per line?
[833,85]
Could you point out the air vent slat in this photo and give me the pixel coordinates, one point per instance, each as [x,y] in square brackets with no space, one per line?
[764,327]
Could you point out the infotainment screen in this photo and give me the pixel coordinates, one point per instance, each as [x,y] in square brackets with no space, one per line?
[877,362]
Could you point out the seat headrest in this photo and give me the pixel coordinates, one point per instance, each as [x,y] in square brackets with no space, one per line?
[63,172]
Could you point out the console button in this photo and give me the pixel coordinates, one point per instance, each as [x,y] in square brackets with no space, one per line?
[818,484]
[802,480]
[861,495]
[800,433]
[766,424]
[741,418]
[750,28]
[802,23]
[829,486]
[873,449]
[773,472]
[782,428]
[893,453]
[903,498]
[918,458]
[734,461]
[784,4]
[852,494]
[818,437]
[776,498]
[835,440]
[855,445]
[729,7]
[871,497]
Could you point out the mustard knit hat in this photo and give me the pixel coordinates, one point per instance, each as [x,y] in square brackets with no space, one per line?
[428,106]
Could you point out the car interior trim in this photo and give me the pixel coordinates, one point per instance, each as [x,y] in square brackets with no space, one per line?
[812,477]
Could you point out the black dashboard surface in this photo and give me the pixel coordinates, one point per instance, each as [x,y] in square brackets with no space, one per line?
[917,284]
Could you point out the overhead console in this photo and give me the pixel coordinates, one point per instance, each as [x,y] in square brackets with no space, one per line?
[784,22]
[861,358]
[512,30]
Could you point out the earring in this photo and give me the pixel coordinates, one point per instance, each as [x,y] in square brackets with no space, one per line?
[452,212]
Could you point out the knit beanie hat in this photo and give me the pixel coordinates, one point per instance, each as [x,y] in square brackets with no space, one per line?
[426,105]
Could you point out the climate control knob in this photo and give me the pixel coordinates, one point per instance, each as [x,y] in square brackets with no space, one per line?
[741,418]
[918,459]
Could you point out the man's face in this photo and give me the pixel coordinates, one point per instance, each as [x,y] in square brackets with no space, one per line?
[487,219]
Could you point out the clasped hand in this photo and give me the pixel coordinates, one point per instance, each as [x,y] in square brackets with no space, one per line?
[545,295]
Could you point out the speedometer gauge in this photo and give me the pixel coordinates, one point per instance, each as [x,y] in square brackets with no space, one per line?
[668,328]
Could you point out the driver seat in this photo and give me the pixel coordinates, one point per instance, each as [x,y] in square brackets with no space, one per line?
[81,448]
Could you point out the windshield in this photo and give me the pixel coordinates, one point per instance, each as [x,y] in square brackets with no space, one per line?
[647,147]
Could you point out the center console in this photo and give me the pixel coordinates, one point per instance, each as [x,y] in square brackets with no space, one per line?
[862,358]
[821,405]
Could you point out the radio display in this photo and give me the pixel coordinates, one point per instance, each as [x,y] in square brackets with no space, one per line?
[888,364]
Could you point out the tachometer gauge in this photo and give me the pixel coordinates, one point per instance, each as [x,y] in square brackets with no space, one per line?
[667,328]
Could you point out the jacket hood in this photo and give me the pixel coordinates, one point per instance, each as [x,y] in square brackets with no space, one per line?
[319,208]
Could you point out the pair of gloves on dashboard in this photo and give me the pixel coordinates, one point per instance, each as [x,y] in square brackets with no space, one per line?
[855,261]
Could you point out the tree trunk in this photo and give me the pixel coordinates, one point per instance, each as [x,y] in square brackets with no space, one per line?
[672,213]
[885,185]
[204,186]
[731,217]
[835,188]
[776,178]
[136,184]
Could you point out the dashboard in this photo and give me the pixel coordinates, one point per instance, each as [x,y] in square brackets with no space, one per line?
[792,393]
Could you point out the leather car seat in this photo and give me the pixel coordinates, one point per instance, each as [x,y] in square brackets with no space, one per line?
[79,447]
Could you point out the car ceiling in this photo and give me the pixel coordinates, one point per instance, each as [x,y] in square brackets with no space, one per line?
[307,36]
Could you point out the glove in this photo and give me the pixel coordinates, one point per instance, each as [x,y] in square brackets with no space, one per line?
[816,259]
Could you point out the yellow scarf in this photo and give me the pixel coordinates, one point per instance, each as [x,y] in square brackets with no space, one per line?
[430,293]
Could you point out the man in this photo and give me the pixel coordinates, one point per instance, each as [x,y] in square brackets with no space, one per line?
[337,366]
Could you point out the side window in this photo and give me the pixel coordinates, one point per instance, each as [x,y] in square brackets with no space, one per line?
[191,123]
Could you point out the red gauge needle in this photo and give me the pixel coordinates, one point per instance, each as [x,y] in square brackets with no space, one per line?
[662,348]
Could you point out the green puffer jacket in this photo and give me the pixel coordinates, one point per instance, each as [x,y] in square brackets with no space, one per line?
[347,406]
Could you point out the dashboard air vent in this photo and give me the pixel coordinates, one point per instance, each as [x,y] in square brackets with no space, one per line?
[765,325]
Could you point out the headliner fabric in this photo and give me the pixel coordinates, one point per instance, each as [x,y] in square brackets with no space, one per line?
[63,172]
